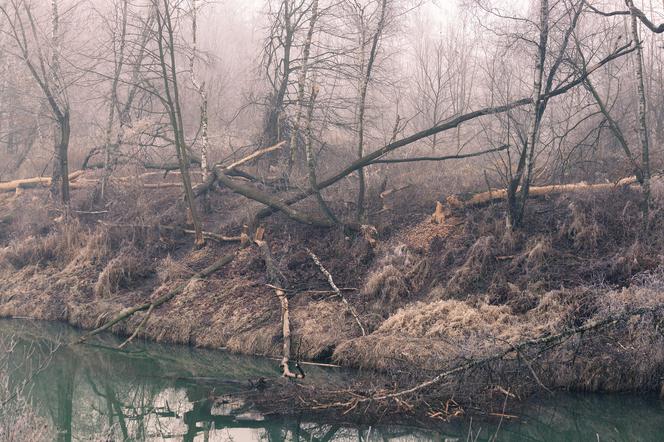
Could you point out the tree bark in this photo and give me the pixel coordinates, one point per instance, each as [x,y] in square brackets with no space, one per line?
[301,85]
[642,115]
[172,102]
[364,86]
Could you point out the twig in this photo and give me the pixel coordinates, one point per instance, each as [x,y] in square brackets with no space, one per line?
[138,328]
[330,280]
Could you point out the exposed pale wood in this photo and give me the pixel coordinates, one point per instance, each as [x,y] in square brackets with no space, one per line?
[277,281]
[499,194]
[253,156]
[330,281]
[27,183]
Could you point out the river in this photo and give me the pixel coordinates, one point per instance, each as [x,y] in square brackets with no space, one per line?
[163,392]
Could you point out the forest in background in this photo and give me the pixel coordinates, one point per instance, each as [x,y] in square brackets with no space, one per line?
[473,185]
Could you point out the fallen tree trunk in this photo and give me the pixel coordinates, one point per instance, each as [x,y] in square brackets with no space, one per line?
[277,281]
[207,235]
[501,194]
[151,305]
[270,201]
[336,290]
[28,183]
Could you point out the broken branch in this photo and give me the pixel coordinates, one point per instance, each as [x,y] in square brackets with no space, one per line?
[330,280]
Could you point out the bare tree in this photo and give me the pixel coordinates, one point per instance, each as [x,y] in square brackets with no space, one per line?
[367,36]
[166,48]
[46,71]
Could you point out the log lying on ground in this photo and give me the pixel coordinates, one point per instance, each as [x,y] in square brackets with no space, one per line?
[151,305]
[28,183]
[501,194]
[207,235]
[270,201]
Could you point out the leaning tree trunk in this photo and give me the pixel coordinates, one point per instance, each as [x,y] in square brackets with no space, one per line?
[311,161]
[364,86]
[642,119]
[301,82]
[172,102]
[520,185]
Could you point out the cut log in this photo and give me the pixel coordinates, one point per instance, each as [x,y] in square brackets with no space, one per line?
[501,194]
[28,183]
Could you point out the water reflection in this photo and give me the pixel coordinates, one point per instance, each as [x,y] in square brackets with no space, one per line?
[157,392]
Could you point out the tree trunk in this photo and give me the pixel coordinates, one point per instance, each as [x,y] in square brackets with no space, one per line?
[364,86]
[172,102]
[311,161]
[519,187]
[301,85]
[642,118]
[60,175]
[200,89]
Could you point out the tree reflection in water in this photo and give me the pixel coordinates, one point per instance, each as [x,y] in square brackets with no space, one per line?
[158,392]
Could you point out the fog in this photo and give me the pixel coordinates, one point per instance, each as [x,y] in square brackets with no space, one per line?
[372,72]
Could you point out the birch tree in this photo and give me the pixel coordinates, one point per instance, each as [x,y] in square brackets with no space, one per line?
[199,87]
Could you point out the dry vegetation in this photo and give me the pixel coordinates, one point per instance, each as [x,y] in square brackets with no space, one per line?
[428,294]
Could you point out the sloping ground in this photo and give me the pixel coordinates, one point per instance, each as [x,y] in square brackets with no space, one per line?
[430,295]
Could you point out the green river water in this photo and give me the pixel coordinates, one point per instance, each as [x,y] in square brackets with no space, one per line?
[161,392]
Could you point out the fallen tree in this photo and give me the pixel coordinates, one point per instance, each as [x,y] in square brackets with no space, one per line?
[29,183]
[151,305]
[501,194]
[448,124]
[277,281]
[207,235]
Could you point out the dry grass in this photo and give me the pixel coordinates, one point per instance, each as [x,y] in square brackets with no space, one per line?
[127,267]
[430,295]
[473,273]
[59,245]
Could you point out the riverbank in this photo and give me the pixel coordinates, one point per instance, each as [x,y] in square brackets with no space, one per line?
[431,296]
